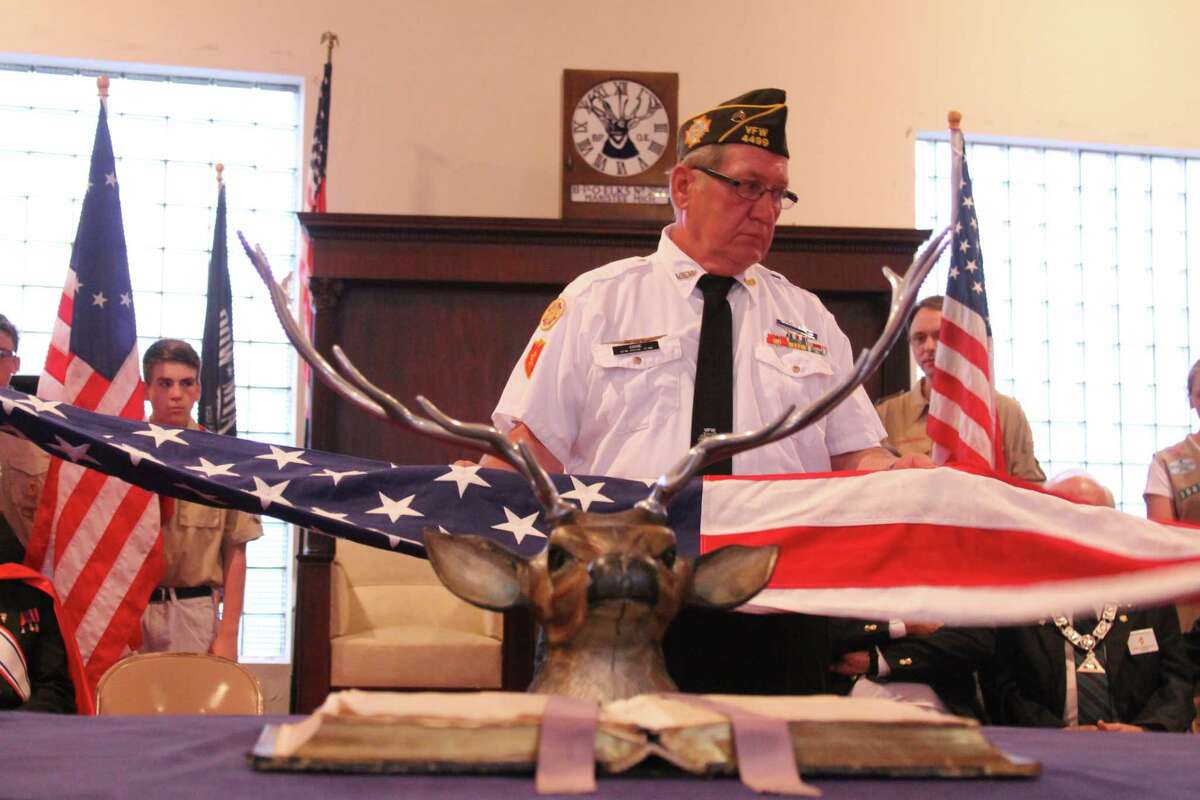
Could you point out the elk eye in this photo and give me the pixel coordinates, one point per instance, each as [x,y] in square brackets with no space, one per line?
[667,557]
[557,558]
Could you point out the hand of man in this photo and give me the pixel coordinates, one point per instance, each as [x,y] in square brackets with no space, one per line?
[851,664]
[1081,728]
[225,645]
[921,629]
[1123,727]
[462,462]
[913,461]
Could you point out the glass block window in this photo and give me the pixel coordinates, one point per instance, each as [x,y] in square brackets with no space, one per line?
[1086,254]
[168,132]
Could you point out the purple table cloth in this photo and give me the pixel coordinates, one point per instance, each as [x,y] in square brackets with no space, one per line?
[48,756]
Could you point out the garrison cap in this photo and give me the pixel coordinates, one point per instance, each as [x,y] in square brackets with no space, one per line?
[756,118]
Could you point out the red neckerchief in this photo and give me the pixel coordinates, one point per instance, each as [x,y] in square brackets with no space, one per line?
[84,703]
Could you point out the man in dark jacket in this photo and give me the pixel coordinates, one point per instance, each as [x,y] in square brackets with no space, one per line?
[1125,669]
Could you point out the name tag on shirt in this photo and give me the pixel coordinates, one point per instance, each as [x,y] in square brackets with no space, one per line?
[1142,641]
[635,346]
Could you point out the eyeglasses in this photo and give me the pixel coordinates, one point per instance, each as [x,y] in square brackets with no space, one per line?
[6,353]
[752,190]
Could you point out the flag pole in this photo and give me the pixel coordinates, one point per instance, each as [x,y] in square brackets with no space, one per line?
[954,120]
[220,179]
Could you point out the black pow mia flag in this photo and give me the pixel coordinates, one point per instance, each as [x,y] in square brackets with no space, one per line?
[217,410]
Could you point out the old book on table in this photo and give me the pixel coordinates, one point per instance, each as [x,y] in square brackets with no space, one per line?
[356,731]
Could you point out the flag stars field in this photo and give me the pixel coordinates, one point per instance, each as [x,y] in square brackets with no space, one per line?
[160,435]
[518,526]
[395,509]
[283,457]
[463,476]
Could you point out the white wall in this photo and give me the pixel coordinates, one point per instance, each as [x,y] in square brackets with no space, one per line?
[452,106]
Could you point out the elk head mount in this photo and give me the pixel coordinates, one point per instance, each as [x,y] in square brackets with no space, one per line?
[606,586]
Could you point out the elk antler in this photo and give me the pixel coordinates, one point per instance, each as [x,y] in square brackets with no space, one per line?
[726,445]
[377,402]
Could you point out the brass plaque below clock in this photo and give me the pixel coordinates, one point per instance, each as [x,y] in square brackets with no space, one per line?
[618,143]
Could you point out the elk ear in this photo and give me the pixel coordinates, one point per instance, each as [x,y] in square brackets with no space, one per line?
[730,576]
[476,569]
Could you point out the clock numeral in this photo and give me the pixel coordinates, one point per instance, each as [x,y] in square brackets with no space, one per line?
[655,105]
[583,146]
[600,162]
[642,164]
[579,127]
[598,94]
[656,148]
[621,168]
[661,127]
[622,87]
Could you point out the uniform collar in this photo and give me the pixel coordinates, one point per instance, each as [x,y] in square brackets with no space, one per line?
[684,273]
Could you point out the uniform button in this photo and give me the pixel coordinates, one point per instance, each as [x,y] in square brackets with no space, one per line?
[906,662]
[796,370]
[751,281]
[637,359]
[870,628]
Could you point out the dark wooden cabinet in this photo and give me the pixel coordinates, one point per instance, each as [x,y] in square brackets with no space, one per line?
[444,306]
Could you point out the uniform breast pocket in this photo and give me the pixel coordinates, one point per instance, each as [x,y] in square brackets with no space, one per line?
[792,377]
[634,389]
[193,515]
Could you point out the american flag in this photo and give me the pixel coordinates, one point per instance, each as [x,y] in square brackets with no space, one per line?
[97,539]
[218,411]
[962,420]
[870,545]
[315,203]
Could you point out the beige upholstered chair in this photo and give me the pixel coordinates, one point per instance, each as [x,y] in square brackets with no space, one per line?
[393,625]
[177,683]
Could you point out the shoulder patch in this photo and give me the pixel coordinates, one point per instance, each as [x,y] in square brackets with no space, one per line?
[553,313]
[531,358]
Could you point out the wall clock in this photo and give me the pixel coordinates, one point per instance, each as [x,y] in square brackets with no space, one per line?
[618,143]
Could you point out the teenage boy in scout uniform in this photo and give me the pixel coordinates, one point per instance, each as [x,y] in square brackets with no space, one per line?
[197,607]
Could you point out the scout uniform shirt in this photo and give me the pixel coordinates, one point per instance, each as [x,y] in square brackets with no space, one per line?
[192,540]
[904,414]
[607,379]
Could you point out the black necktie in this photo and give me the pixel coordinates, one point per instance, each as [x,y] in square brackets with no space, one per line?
[1091,688]
[712,403]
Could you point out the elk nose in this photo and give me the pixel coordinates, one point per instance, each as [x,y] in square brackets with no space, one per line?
[612,580]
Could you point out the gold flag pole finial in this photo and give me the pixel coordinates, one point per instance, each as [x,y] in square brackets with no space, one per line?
[220,178]
[330,39]
[955,119]
[102,86]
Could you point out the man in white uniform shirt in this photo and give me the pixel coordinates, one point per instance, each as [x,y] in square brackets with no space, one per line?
[606,384]
[608,381]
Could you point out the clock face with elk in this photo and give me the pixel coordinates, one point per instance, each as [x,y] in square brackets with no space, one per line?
[619,144]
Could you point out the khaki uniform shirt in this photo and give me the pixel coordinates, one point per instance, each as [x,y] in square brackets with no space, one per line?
[23,469]
[903,415]
[192,540]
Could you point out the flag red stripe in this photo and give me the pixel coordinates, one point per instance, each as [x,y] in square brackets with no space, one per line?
[75,510]
[947,436]
[56,364]
[105,551]
[92,392]
[970,348]
[135,407]
[971,404]
[912,554]
[66,308]
[124,628]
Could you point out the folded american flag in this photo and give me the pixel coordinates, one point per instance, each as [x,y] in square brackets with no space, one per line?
[944,544]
